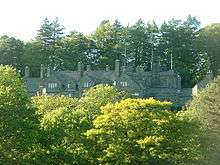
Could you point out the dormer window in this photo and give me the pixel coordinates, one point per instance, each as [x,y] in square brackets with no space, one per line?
[52,85]
[124,83]
[86,85]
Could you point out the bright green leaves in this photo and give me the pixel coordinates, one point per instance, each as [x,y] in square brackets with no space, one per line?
[18,122]
[104,126]
[64,120]
[46,104]
[141,131]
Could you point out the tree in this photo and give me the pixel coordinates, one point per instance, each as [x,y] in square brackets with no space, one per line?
[50,32]
[178,42]
[98,96]
[209,38]
[78,48]
[18,121]
[33,57]
[11,51]
[46,104]
[142,43]
[205,108]
[49,36]
[110,43]
[64,121]
[61,127]
[142,131]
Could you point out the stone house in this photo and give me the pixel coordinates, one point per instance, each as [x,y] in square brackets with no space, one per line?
[157,83]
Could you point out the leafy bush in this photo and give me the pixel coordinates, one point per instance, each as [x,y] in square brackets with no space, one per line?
[18,121]
[205,108]
[46,104]
[64,121]
[142,131]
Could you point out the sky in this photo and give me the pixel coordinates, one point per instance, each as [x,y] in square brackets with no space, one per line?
[22,18]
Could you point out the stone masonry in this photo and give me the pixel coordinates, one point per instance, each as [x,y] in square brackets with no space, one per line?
[157,83]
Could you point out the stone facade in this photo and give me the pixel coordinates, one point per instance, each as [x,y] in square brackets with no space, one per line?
[157,83]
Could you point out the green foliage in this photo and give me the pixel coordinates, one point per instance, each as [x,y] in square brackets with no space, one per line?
[11,51]
[142,41]
[17,119]
[193,51]
[33,57]
[142,131]
[77,48]
[49,36]
[50,32]
[61,127]
[98,96]
[46,104]
[102,127]
[205,108]
[209,38]
[109,39]
[64,142]
[178,41]
[64,121]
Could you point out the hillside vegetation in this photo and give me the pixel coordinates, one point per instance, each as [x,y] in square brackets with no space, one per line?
[205,108]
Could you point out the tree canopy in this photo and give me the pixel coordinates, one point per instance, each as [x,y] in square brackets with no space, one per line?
[205,108]
[180,44]
[209,39]
[18,121]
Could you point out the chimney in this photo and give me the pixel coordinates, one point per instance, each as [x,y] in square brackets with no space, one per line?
[155,63]
[80,68]
[48,71]
[117,68]
[27,71]
[124,68]
[107,68]
[88,68]
[41,71]
[178,82]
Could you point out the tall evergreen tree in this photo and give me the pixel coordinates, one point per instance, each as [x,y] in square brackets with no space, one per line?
[109,40]
[142,42]
[49,36]
[177,43]
[77,48]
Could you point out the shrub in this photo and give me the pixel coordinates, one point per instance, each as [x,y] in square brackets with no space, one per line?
[205,108]
[18,121]
[142,131]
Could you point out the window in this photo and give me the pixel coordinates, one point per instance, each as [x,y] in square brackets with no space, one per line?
[44,91]
[114,83]
[86,84]
[124,83]
[52,85]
